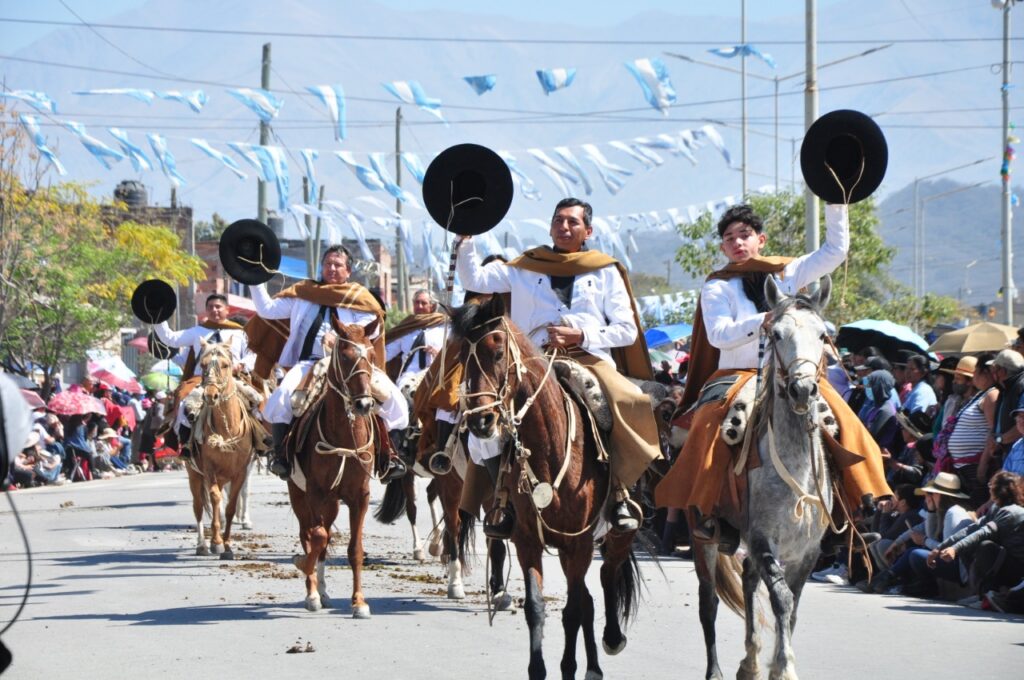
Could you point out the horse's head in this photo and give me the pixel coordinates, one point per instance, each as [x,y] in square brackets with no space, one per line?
[216,364]
[485,358]
[797,338]
[351,367]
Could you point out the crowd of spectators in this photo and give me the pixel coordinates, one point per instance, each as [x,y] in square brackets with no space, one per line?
[76,448]
[951,438]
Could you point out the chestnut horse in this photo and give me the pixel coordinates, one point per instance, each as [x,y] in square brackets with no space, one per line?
[223,434]
[512,393]
[334,450]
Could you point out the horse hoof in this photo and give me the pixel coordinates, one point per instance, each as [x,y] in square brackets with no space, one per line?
[216,548]
[227,555]
[361,612]
[501,601]
[419,555]
[313,603]
[203,551]
[612,651]
[297,560]
[325,600]
[594,675]
[434,549]
[456,593]
[245,525]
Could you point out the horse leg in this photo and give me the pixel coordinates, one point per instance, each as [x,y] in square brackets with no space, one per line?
[781,598]
[409,482]
[500,599]
[242,514]
[749,667]
[534,610]
[356,515]
[302,512]
[318,536]
[796,578]
[575,564]
[450,540]
[195,483]
[619,584]
[330,514]
[456,589]
[436,515]
[216,496]
[236,486]
[705,559]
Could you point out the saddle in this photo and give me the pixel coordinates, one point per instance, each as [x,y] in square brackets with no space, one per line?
[310,388]
[582,386]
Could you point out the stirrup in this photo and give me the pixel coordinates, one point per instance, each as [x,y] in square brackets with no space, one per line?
[499,522]
[280,467]
[623,520]
[440,463]
[396,470]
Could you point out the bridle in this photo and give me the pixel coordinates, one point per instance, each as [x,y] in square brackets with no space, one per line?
[361,366]
[213,376]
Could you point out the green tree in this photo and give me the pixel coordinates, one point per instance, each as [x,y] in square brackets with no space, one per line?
[210,231]
[861,286]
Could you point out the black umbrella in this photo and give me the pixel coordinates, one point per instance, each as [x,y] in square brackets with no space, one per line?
[23,382]
[890,338]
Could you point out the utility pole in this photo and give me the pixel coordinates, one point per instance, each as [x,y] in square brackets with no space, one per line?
[810,115]
[1009,292]
[668,273]
[261,186]
[308,221]
[402,283]
[743,91]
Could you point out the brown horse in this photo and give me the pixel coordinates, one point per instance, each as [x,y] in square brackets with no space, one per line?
[511,393]
[334,457]
[223,437]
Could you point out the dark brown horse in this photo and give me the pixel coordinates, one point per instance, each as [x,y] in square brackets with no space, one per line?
[512,393]
[334,461]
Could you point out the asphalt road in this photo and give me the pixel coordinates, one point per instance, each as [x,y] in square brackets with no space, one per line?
[118,592]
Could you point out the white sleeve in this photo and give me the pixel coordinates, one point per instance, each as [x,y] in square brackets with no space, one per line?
[246,357]
[393,349]
[725,332]
[811,267]
[268,307]
[185,338]
[620,329]
[492,278]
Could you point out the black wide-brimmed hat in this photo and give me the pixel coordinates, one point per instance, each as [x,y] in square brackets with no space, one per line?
[158,348]
[250,252]
[154,301]
[849,144]
[467,189]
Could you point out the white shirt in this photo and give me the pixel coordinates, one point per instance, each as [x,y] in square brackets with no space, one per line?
[432,337]
[301,315]
[600,307]
[192,337]
[731,319]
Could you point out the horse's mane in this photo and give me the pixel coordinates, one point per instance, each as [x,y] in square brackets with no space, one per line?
[466,319]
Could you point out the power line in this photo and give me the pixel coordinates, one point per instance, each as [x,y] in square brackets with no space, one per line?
[488,40]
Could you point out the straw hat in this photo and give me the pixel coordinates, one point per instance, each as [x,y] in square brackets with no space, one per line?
[964,367]
[108,433]
[945,483]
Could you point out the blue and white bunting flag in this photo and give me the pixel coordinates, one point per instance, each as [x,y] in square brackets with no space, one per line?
[342,208]
[608,171]
[410,92]
[710,133]
[333,97]
[367,176]
[526,185]
[100,151]
[360,233]
[566,155]
[274,158]
[135,93]
[248,153]
[404,226]
[194,99]
[40,101]
[481,84]
[390,186]
[746,50]
[32,128]
[379,205]
[308,157]
[261,102]
[136,155]
[671,143]
[163,154]
[654,81]
[227,160]
[414,165]
[552,79]
[647,159]
[555,171]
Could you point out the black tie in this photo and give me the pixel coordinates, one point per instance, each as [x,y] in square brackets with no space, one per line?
[314,330]
[215,337]
[420,343]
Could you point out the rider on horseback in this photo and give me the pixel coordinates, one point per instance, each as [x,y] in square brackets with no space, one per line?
[215,328]
[732,313]
[307,307]
[577,301]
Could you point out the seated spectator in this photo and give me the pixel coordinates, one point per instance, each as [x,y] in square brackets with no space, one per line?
[879,411]
[921,396]
[994,545]
[104,459]
[47,465]
[899,373]
[945,514]
[77,448]
[908,465]
[23,466]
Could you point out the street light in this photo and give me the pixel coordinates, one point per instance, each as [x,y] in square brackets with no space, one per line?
[1009,291]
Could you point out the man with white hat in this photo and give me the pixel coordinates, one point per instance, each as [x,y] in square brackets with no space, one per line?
[1008,371]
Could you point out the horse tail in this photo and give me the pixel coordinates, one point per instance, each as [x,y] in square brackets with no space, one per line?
[467,536]
[729,583]
[393,505]
[627,587]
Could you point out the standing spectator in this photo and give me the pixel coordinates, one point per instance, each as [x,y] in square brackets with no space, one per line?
[879,413]
[899,373]
[921,396]
[971,430]
[1014,461]
[1008,373]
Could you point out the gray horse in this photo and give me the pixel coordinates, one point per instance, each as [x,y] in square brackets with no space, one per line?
[789,496]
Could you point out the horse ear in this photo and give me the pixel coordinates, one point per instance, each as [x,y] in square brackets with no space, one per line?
[824,292]
[448,310]
[772,295]
[496,306]
[372,328]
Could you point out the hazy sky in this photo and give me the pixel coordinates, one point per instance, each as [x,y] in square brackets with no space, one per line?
[583,12]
